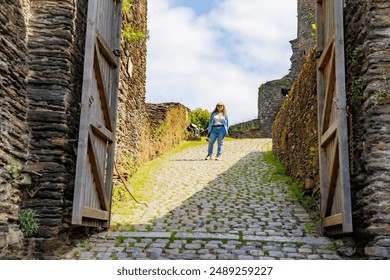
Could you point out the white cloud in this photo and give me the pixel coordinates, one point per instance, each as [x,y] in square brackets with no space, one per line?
[221,56]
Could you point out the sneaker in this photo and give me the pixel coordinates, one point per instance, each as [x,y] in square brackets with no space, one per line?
[218,157]
[208,157]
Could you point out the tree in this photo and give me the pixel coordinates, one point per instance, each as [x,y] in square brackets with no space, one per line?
[200,117]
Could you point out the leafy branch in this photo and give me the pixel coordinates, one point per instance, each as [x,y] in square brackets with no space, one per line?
[130,35]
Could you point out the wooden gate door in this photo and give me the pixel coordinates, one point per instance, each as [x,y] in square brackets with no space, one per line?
[96,146]
[336,216]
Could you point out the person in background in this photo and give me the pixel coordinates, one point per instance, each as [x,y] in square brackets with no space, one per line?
[218,129]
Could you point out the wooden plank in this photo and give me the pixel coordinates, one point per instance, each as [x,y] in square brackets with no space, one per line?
[342,117]
[329,93]
[105,50]
[103,93]
[326,54]
[95,213]
[81,162]
[320,108]
[332,177]
[333,220]
[117,27]
[101,131]
[329,134]
[97,174]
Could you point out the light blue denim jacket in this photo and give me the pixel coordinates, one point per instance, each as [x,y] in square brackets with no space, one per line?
[211,122]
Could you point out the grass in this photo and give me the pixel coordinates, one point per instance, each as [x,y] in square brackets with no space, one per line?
[308,227]
[139,182]
[172,237]
[279,172]
[332,247]
[241,238]
[120,240]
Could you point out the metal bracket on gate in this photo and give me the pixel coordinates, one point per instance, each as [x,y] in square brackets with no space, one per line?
[117,53]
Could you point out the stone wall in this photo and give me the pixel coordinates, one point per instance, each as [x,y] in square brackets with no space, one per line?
[306,39]
[248,129]
[271,97]
[43,65]
[367,53]
[367,29]
[165,129]
[55,58]
[13,112]
[294,133]
[132,90]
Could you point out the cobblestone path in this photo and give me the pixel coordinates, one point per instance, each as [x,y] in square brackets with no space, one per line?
[225,209]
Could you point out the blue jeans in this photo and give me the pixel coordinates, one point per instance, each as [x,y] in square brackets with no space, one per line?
[217,132]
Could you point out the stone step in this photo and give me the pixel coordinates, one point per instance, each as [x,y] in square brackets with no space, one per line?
[313,241]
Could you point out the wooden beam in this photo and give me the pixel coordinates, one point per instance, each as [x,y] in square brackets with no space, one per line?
[102,92]
[333,220]
[95,213]
[326,54]
[101,131]
[117,27]
[87,88]
[329,94]
[320,108]
[332,177]
[97,174]
[329,133]
[342,116]
[105,50]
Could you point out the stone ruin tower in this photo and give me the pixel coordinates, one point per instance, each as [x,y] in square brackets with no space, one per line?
[272,94]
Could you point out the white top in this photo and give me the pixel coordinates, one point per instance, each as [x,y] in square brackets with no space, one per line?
[219,119]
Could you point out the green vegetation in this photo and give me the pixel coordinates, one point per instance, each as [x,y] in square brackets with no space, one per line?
[15,171]
[308,227]
[314,156]
[172,237]
[129,33]
[333,246]
[355,92]
[356,88]
[28,221]
[131,166]
[286,81]
[241,238]
[200,117]
[126,5]
[314,30]
[120,240]
[279,170]
[382,96]
[296,190]
[357,55]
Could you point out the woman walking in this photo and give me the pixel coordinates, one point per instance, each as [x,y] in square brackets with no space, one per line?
[218,129]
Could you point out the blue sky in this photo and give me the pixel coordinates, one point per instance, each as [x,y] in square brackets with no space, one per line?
[208,51]
[199,6]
